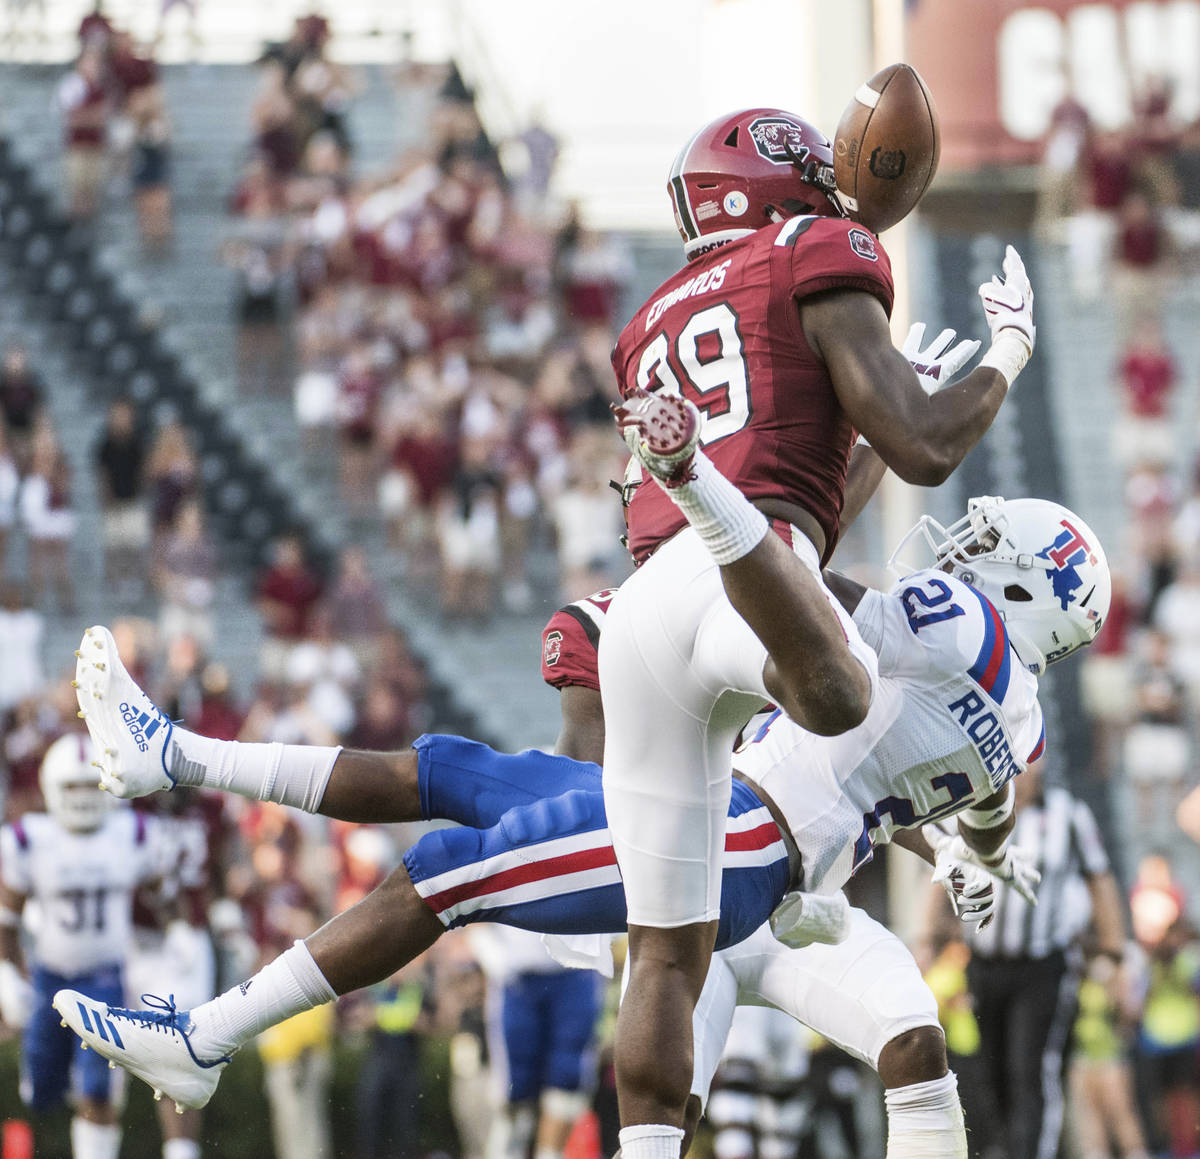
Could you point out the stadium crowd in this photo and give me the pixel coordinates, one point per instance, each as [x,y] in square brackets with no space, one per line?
[450,324]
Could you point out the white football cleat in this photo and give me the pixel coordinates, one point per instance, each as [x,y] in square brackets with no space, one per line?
[130,734]
[154,1045]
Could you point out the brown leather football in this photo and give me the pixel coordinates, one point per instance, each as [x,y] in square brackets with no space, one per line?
[885,152]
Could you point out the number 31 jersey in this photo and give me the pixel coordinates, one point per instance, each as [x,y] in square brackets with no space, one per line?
[725,332]
[80,885]
[954,717]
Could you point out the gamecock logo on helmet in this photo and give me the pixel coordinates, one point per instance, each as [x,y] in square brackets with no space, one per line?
[552,649]
[778,140]
[887,164]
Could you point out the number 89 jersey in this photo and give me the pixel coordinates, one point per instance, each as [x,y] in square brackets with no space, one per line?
[725,332]
[81,884]
[954,717]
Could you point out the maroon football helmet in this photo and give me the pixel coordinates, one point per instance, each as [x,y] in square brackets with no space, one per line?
[747,169]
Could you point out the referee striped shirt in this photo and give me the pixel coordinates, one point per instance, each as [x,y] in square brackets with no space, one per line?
[1061,833]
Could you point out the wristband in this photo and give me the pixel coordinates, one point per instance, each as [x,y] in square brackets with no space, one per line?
[1009,352]
[988,818]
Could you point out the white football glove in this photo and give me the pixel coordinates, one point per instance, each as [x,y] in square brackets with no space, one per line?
[970,889]
[1008,304]
[1016,868]
[939,362]
[16,996]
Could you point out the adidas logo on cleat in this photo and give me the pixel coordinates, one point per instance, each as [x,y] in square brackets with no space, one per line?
[142,726]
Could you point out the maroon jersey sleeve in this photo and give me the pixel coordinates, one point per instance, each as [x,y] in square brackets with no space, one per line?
[570,641]
[829,253]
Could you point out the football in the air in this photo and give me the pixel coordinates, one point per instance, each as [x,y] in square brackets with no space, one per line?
[885,152]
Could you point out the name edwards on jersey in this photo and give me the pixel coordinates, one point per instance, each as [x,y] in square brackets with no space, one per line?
[711,279]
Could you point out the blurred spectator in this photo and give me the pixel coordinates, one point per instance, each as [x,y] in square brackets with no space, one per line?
[49,520]
[20,402]
[1024,972]
[120,461]
[383,724]
[461,994]
[171,471]
[468,530]
[186,575]
[1170,1037]
[1141,251]
[219,716]
[1151,495]
[1103,1106]
[588,522]
[151,165]
[83,103]
[298,1069]
[1064,153]
[95,29]
[1175,616]
[423,462]
[1148,377]
[286,593]
[21,632]
[1158,750]
[389,1092]
[328,669]
[10,485]
[356,611]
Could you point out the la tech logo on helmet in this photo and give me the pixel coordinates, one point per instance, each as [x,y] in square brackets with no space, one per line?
[1067,552]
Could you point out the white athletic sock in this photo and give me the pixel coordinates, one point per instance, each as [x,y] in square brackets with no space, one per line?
[728,523]
[650,1141]
[294,775]
[94,1140]
[925,1121]
[181,1149]
[290,984]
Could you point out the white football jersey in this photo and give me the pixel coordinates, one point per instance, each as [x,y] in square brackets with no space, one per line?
[954,717]
[81,883]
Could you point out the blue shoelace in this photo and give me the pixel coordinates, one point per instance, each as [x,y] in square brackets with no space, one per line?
[166,1017]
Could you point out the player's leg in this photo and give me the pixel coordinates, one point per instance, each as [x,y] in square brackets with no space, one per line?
[572,1004]
[866,995]
[450,877]
[140,751]
[673,658]
[814,677]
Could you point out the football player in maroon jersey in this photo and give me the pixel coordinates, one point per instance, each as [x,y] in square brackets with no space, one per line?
[745,377]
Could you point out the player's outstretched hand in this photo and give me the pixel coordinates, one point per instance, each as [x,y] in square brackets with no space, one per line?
[970,889]
[1008,302]
[941,360]
[1018,869]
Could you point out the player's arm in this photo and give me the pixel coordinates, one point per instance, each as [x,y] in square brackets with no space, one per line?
[848,592]
[16,994]
[582,734]
[921,437]
[985,827]
[865,473]
[914,842]
[1108,919]
[12,905]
